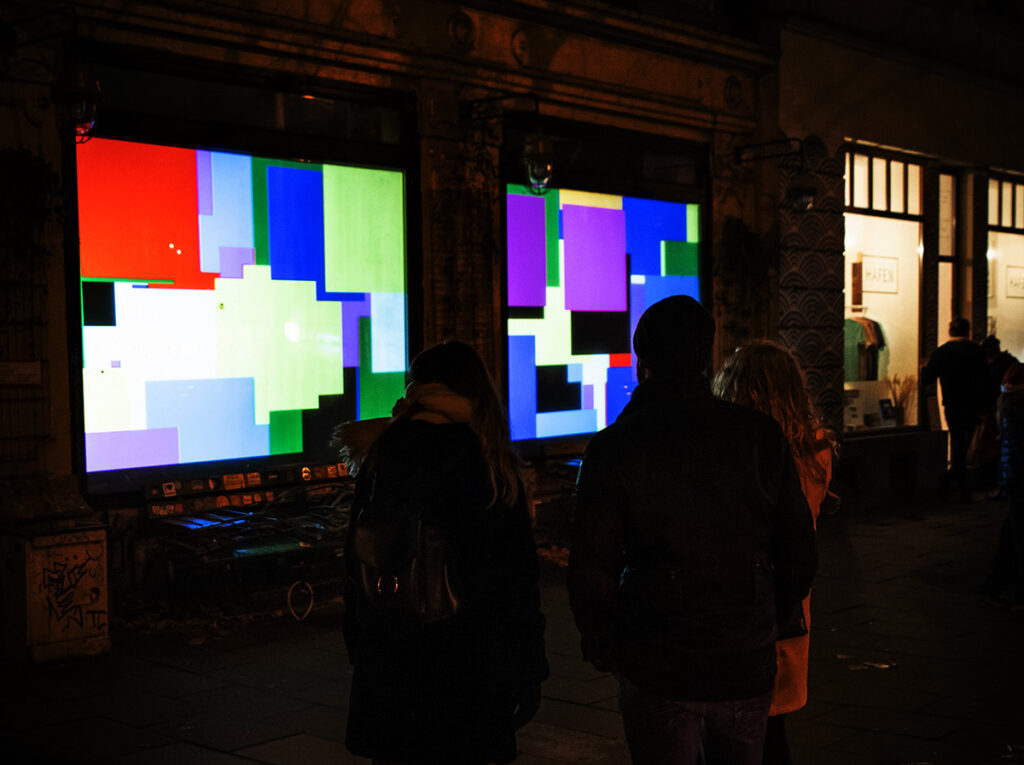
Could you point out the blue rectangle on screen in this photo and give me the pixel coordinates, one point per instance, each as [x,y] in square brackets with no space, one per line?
[566,423]
[618,391]
[648,222]
[215,418]
[295,222]
[522,386]
[660,287]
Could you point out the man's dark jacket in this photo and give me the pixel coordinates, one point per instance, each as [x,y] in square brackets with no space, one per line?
[690,525]
[962,370]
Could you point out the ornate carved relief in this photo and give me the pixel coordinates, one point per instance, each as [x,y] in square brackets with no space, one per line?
[520,46]
[811,280]
[461,31]
[733,92]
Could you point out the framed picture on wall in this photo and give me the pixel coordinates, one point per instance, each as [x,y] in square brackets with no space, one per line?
[885,407]
[1014,282]
[881,274]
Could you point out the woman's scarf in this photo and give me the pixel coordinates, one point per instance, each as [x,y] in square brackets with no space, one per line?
[432,402]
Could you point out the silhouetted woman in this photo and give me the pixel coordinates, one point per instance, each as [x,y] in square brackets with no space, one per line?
[766,377]
[455,690]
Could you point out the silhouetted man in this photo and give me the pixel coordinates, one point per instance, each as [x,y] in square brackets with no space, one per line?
[962,370]
[690,527]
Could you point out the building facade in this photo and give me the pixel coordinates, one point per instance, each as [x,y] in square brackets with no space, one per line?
[843,166]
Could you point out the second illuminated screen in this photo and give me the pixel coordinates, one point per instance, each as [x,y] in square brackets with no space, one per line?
[582,268]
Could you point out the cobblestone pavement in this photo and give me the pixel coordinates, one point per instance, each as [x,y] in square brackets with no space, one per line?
[909,666]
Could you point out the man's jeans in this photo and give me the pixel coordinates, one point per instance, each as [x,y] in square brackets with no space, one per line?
[666,732]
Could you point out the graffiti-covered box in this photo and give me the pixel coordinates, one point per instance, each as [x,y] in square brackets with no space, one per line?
[54,593]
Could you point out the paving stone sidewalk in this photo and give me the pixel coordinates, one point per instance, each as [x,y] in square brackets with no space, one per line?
[909,666]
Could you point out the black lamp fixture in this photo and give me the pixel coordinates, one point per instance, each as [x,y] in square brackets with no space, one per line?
[538,152]
[79,90]
[76,86]
[539,161]
[803,187]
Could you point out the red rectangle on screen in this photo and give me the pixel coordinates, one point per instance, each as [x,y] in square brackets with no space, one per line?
[138,213]
[620,360]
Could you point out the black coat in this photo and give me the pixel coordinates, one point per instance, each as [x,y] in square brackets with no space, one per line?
[690,525]
[962,370]
[446,692]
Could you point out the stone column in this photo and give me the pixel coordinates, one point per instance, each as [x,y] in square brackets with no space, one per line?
[462,227]
[811,280]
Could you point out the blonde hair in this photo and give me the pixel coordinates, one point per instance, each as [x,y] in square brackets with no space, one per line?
[766,377]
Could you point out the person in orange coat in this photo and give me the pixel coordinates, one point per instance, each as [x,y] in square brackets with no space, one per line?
[766,377]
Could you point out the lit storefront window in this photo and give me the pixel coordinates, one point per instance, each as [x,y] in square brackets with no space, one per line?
[1006,263]
[882,287]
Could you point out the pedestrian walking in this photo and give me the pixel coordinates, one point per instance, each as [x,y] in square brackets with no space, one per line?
[452,682]
[691,534]
[766,377]
[1005,584]
[962,371]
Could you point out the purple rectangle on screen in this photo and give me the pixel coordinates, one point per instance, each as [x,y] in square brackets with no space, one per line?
[204,183]
[233,258]
[588,397]
[131,448]
[351,311]
[527,253]
[595,259]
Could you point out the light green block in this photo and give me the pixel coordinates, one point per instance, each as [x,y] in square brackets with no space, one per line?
[692,223]
[278,333]
[364,230]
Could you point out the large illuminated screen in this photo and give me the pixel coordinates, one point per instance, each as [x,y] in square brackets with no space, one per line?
[582,268]
[230,302]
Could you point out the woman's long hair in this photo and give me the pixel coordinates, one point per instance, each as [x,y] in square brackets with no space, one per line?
[459,367]
[766,377]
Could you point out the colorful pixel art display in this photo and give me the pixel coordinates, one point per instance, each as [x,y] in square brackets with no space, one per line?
[234,306]
[582,268]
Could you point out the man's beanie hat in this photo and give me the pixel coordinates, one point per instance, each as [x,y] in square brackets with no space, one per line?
[675,336]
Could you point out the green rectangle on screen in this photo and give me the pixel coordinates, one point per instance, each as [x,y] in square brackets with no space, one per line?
[260,235]
[680,259]
[551,234]
[378,392]
[360,257]
[693,223]
[286,431]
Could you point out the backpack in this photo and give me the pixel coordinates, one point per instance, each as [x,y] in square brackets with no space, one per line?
[403,564]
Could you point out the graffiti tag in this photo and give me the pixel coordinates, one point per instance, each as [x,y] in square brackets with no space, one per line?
[64,602]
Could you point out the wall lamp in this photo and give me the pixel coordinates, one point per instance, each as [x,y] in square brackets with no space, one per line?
[538,156]
[80,91]
[77,87]
[802,187]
